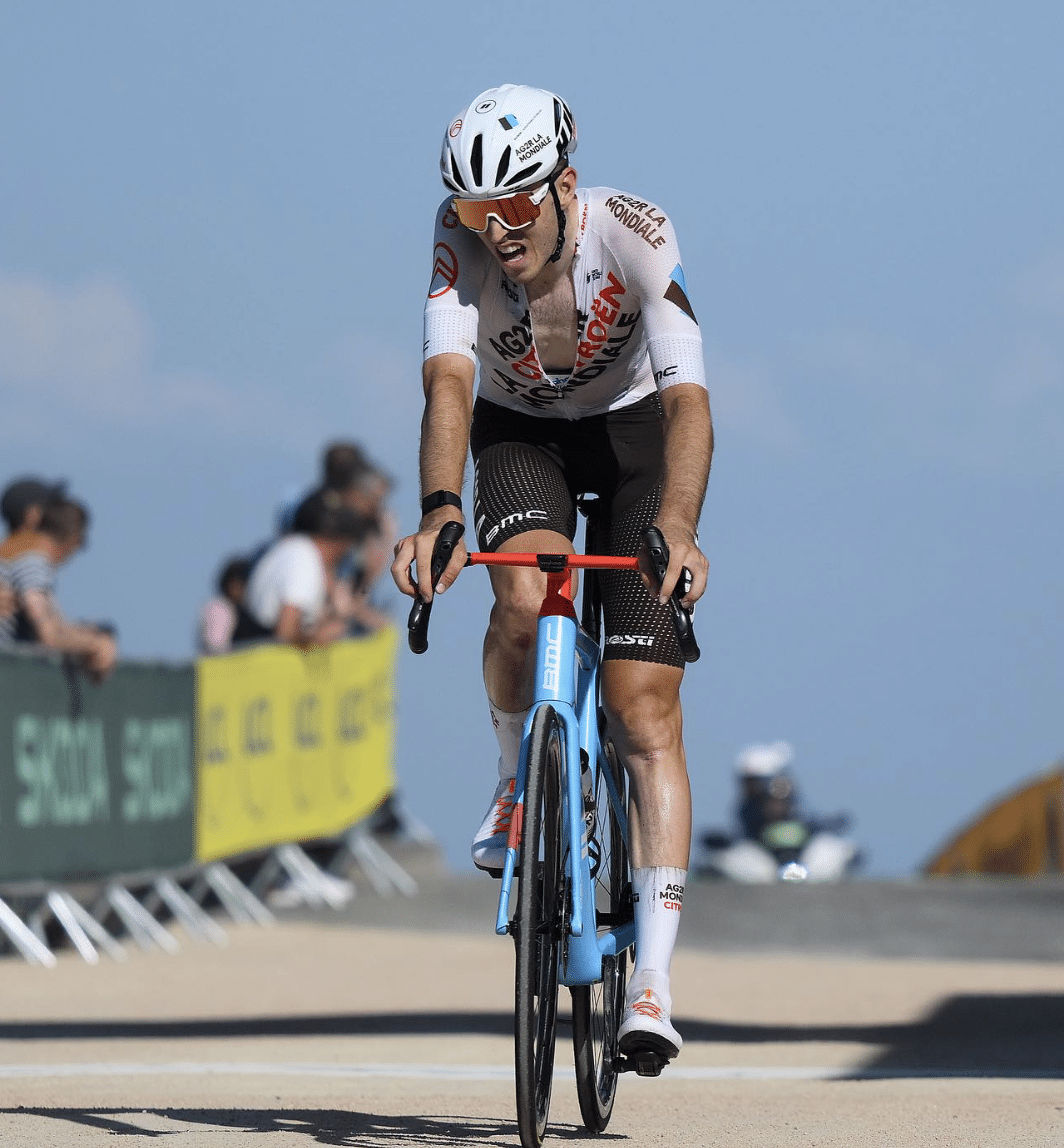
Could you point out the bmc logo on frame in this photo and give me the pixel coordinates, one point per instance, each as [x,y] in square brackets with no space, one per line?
[552,658]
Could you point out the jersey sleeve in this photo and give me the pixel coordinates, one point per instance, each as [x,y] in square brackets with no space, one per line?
[451,310]
[643,236]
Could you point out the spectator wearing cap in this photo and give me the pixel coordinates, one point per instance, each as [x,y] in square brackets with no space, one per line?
[289,594]
[31,559]
[363,488]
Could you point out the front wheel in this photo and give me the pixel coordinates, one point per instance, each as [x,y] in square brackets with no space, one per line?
[597,1008]
[537,927]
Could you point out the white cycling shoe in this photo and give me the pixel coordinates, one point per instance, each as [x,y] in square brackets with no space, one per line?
[489,845]
[646,1025]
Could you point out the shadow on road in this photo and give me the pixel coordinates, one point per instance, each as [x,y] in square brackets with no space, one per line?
[335,1024]
[971,1035]
[321,1126]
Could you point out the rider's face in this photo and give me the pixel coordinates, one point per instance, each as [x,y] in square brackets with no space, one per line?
[524,253]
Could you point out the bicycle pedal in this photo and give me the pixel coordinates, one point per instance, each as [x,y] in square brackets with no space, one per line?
[644,1053]
[644,1062]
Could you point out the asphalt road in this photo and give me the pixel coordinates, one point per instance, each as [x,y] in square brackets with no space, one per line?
[870,1015]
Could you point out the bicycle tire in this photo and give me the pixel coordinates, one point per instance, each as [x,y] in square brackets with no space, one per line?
[597,1008]
[537,928]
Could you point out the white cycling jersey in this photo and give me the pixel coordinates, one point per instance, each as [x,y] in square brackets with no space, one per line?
[637,330]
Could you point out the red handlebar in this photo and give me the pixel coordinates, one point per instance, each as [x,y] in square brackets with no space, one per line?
[554,561]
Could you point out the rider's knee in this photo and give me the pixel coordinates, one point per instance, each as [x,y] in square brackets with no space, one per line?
[515,615]
[646,724]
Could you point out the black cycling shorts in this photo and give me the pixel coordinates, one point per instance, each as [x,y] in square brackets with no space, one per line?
[528,474]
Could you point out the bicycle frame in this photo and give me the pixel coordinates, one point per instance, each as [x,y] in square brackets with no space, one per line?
[566,678]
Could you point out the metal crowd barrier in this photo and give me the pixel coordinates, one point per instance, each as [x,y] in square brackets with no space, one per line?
[174,792]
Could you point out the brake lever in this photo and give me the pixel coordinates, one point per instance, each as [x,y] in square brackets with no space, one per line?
[417,626]
[658,549]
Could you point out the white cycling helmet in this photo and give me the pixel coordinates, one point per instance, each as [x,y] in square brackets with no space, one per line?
[763,760]
[509,138]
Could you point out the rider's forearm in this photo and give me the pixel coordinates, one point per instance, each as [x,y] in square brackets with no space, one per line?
[688,430]
[445,425]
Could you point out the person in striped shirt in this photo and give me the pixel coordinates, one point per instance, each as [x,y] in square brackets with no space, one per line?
[29,563]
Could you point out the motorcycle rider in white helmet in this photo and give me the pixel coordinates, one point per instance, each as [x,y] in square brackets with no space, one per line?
[573,305]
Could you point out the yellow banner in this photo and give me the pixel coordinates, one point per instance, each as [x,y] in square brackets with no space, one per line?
[292,746]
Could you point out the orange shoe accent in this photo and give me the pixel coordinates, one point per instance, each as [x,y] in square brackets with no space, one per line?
[504,809]
[647,1006]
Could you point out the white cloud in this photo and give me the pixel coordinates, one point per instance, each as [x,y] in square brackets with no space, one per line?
[92,334]
[85,353]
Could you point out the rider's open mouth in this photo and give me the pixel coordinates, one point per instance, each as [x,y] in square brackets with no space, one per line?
[508,252]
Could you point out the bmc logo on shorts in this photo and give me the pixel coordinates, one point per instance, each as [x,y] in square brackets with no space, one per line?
[528,516]
[630,640]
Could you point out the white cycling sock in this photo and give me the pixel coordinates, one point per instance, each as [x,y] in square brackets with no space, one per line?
[658,894]
[508,729]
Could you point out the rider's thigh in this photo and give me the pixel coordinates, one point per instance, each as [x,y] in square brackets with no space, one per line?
[642,703]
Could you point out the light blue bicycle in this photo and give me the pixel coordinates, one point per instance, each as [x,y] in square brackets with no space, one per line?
[568,845]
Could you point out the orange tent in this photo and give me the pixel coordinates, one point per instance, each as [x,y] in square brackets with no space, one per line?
[1022,835]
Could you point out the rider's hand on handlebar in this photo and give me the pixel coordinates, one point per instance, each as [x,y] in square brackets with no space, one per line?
[683,553]
[413,554]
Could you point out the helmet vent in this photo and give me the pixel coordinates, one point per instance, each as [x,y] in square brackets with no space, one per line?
[476,160]
[504,164]
[523,176]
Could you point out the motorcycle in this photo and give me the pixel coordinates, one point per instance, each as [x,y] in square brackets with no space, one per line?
[789,850]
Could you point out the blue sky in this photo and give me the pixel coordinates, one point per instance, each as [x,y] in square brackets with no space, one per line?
[215,237]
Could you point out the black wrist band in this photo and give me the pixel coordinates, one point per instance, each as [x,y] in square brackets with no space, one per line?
[440,498]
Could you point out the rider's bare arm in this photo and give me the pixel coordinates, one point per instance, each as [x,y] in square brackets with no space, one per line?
[688,453]
[448,381]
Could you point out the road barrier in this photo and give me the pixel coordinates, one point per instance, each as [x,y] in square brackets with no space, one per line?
[168,771]
[292,746]
[94,781]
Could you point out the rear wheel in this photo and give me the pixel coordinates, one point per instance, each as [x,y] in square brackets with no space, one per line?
[597,1008]
[537,928]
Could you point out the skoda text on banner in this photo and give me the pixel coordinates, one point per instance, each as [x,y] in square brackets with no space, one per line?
[292,746]
[94,780]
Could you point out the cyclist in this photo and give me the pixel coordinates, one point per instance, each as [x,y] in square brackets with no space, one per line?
[572,302]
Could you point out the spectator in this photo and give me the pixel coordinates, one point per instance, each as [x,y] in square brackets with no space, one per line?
[218,618]
[24,500]
[7,605]
[289,594]
[364,489]
[21,506]
[31,558]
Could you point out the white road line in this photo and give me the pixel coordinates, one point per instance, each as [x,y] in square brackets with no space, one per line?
[485,1072]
